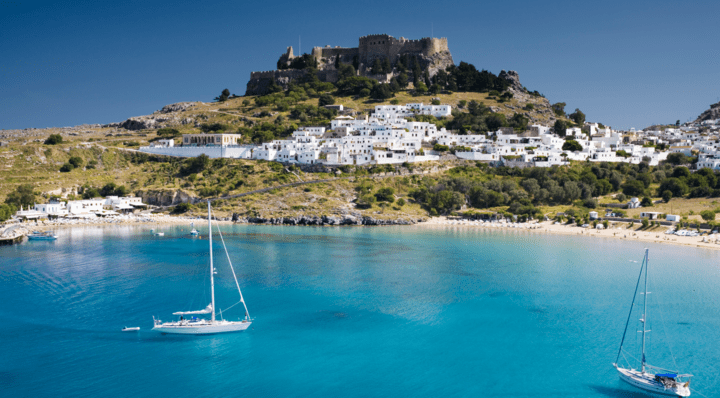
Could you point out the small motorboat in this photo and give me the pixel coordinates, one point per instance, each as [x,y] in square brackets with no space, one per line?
[159,233]
[36,235]
[127,329]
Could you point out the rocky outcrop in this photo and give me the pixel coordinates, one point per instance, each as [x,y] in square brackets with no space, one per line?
[710,114]
[437,62]
[324,220]
[513,79]
[154,122]
[177,107]
[165,197]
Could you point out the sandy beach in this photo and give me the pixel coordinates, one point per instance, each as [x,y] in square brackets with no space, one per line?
[149,220]
[616,231]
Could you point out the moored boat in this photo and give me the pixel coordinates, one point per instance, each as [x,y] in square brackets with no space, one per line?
[36,235]
[666,383]
[198,326]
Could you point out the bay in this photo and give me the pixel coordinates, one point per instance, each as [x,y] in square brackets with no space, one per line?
[356,312]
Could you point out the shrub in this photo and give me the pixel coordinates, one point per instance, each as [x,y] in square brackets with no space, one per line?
[181,208]
[645,223]
[646,202]
[168,132]
[590,203]
[435,102]
[326,99]
[400,202]
[708,215]
[441,148]
[572,145]
[67,167]
[365,201]
[54,139]
[385,195]
[394,101]
[76,161]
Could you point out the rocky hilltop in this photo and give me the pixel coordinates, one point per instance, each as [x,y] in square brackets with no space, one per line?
[710,114]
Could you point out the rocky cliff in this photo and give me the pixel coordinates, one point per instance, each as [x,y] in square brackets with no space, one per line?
[165,197]
[710,114]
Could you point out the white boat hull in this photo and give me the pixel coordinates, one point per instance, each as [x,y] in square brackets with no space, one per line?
[202,327]
[646,382]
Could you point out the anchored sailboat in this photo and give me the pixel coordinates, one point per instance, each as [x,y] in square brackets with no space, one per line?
[194,325]
[667,383]
[193,231]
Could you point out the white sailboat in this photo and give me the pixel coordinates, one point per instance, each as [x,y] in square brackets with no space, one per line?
[667,382]
[194,325]
[193,231]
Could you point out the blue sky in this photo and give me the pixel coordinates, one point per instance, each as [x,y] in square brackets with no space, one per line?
[626,64]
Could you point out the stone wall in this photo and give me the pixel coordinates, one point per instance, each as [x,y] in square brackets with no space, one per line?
[260,81]
[235,152]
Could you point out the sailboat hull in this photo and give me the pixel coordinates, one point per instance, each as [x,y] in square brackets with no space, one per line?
[646,382]
[199,328]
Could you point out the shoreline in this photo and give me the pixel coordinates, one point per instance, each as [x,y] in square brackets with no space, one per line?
[616,231]
[549,227]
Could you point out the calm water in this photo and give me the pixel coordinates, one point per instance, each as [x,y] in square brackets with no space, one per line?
[355,312]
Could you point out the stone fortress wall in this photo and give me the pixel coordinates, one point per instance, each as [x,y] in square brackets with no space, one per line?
[433,54]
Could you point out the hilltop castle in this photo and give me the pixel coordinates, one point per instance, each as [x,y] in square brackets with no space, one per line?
[432,54]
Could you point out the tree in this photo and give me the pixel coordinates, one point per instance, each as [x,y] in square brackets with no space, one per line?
[421,88]
[519,122]
[381,92]
[54,139]
[572,146]
[667,195]
[646,202]
[675,185]
[22,196]
[645,222]
[578,117]
[681,171]
[677,158]
[6,211]
[326,99]
[633,188]
[559,128]
[495,121]
[402,80]
[708,215]
[386,67]
[559,108]
[223,96]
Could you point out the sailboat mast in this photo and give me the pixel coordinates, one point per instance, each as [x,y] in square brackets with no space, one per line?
[212,268]
[644,311]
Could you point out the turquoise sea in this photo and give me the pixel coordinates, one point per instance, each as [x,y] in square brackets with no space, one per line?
[352,312]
